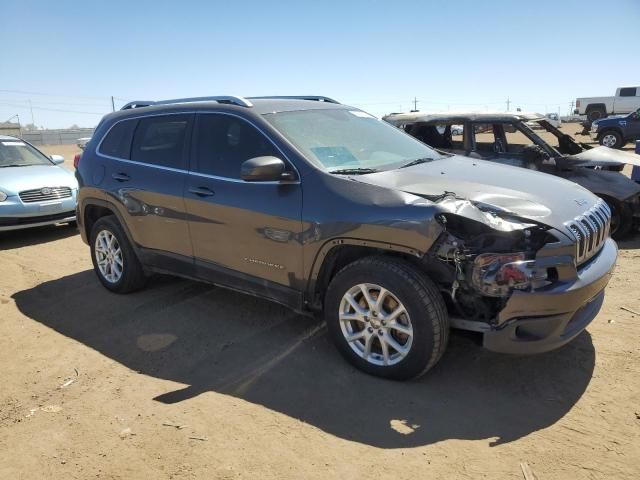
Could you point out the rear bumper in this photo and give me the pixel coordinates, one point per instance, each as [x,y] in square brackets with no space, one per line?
[545,320]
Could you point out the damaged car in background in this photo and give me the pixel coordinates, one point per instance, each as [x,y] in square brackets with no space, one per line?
[509,139]
[323,207]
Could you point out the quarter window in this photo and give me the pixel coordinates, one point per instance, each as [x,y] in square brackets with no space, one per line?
[160,140]
[223,142]
[117,143]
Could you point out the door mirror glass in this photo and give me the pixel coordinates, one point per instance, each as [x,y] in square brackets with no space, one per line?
[57,159]
[263,169]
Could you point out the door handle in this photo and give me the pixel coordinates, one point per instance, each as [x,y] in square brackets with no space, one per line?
[202,191]
[120,177]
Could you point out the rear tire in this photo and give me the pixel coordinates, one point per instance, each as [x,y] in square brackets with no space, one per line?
[400,345]
[114,260]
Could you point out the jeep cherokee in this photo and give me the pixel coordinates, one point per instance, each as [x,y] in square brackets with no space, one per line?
[322,207]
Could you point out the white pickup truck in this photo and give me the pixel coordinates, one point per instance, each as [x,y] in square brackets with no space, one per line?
[626,100]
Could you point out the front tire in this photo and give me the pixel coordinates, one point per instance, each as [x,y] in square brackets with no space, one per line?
[611,139]
[113,257]
[387,318]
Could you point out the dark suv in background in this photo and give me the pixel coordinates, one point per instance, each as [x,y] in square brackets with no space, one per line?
[320,206]
[616,132]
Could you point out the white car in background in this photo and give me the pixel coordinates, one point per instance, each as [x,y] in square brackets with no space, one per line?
[82,142]
[552,118]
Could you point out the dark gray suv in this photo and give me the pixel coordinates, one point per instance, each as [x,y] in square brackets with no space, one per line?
[320,206]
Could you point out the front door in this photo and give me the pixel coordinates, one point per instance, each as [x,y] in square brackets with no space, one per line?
[245,234]
[633,126]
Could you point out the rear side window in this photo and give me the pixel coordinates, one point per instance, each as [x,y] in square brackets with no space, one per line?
[223,142]
[117,143]
[160,140]
[628,92]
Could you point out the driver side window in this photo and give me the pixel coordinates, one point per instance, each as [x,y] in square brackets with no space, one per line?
[224,142]
[517,142]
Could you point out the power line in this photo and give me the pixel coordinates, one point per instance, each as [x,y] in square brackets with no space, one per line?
[24,92]
[45,102]
[50,109]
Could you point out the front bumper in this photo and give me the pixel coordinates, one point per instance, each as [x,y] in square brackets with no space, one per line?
[536,322]
[593,134]
[16,215]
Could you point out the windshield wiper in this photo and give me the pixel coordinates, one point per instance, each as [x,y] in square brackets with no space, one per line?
[417,161]
[17,165]
[353,171]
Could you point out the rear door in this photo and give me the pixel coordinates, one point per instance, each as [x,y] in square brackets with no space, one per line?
[145,173]
[245,234]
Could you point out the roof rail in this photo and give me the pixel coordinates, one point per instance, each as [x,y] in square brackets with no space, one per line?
[137,104]
[317,98]
[227,99]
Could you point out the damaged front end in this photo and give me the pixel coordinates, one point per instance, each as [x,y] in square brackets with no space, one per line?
[526,286]
[485,253]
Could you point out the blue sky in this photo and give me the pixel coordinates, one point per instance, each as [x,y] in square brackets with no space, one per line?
[377,55]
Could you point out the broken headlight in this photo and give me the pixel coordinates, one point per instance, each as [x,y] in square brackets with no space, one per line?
[498,274]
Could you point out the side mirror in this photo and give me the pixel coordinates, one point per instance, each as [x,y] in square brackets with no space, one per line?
[57,159]
[264,169]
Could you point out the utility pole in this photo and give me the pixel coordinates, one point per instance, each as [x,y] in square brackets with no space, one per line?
[113,105]
[508,103]
[415,104]
[33,122]
[571,111]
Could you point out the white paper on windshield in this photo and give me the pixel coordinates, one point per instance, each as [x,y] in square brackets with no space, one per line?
[14,144]
[360,114]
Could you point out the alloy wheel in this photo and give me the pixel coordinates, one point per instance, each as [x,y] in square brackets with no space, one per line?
[609,140]
[375,324]
[109,256]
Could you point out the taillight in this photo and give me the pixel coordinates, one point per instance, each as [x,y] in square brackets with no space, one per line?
[577,103]
[76,160]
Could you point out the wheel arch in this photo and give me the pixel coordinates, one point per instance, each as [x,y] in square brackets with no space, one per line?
[337,253]
[595,106]
[612,128]
[93,209]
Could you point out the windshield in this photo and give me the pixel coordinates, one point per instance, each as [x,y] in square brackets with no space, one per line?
[342,140]
[15,153]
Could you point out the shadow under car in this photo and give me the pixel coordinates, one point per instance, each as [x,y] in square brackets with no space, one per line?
[217,340]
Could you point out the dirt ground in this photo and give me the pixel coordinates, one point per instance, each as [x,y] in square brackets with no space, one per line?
[183,380]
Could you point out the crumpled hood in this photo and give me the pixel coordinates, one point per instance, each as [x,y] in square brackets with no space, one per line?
[603,157]
[14,180]
[524,193]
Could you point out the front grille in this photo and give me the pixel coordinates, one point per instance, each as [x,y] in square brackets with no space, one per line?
[45,194]
[590,230]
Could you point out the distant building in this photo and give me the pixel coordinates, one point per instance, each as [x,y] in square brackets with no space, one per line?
[11,129]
